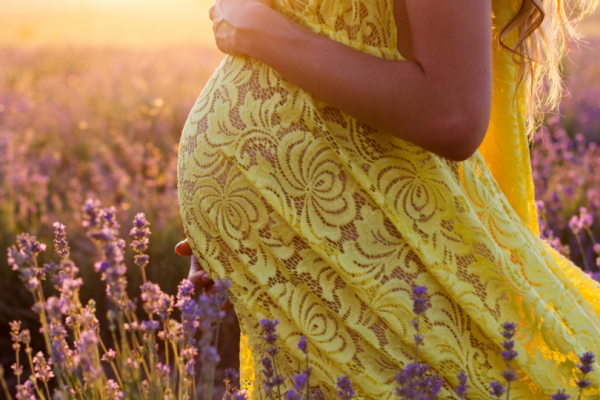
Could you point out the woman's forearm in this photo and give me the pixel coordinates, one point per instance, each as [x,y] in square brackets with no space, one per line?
[425,106]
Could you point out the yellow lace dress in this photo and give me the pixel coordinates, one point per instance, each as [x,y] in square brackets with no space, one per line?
[325,224]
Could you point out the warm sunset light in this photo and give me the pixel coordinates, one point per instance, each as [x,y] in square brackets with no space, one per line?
[309,200]
[100,22]
[146,23]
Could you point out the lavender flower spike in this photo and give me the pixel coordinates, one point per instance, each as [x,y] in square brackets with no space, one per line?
[346,392]
[508,354]
[269,326]
[461,389]
[561,395]
[60,240]
[497,389]
[140,232]
[419,301]
[232,381]
[241,395]
[318,395]
[587,359]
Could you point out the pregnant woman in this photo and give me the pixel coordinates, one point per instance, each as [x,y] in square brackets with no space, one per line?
[347,151]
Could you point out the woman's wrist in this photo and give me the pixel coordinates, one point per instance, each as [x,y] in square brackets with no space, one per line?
[260,19]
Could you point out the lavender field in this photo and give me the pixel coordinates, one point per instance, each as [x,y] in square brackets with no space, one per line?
[104,123]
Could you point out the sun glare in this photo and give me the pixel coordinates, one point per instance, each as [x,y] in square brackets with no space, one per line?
[146,23]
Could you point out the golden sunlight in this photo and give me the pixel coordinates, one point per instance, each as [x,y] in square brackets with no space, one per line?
[146,23]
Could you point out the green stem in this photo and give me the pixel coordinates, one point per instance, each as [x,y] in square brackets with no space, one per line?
[37,388]
[4,385]
[417,344]
[307,378]
[585,263]
[276,374]
[47,390]
[17,370]
[508,384]
[591,234]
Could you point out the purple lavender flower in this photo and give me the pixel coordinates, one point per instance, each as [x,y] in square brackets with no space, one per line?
[269,326]
[140,232]
[111,251]
[91,214]
[292,395]
[303,344]
[419,301]
[87,348]
[508,354]
[42,369]
[574,224]
[240,395]
[57,334]
[109,355]
[497,389]
[508,330]
[540,206]
[210,357]
[109,217]
[222,294]
[163,371]
[155,301]
[185,289]
[25,391]
[414,384]
[113,390]
[461,389]
[346,391]
[300,381]
[269,363]
[585,218]
[149,326]
[419,307]
[586,360]
[69,297]
[232,381]
[268,372]
[189,370]
[23,260]
[60,240]
[190,312]
[140,227]
[510,375]
[561,395]
[317,395]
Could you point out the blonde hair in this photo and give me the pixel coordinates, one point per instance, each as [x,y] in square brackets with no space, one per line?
[541,31]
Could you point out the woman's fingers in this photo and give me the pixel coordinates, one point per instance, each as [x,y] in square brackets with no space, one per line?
[195,266]
[198,276]
[183,248]
[200,280]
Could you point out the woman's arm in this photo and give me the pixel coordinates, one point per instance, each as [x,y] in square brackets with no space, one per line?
[440,99]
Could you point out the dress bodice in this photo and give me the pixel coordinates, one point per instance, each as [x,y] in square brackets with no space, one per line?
[366,25]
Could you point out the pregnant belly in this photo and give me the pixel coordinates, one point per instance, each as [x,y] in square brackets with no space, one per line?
[247,96]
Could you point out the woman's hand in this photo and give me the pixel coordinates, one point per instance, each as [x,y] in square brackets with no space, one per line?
[197,275]
[233,21]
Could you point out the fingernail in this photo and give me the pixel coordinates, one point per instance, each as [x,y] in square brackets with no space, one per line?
[206,278]
[177,245]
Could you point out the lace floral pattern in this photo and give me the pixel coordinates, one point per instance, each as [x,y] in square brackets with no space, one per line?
[326,224]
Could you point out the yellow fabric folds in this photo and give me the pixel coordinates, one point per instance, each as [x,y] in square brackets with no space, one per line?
[326,224]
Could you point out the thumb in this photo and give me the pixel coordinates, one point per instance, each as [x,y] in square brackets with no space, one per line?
[183,248]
